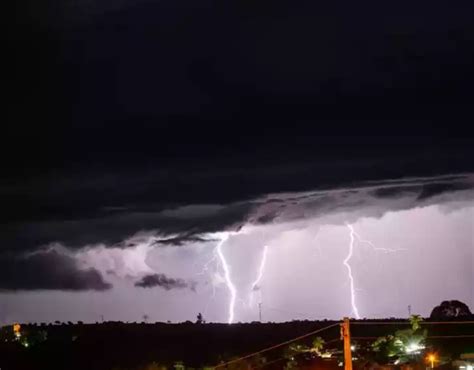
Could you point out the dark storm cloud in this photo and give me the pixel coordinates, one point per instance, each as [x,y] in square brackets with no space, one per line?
[158,77]
[165,282]
[431,190]
[114,229]
[393,192]
[48,270]
[174,224]
[423,189]
[183,239]
[371,199]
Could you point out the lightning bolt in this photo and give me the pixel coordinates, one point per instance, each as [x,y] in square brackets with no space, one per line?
[353,236]
[261,268]
[355,310]
[261,271]
[219,258]
[205,269]
[369,243]
[213,259]
[228,280]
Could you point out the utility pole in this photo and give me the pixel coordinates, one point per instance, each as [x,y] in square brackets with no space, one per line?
[409,310]
[260,311]
[346,337]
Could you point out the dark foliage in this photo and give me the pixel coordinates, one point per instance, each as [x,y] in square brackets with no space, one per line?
[450,309]
[117,345]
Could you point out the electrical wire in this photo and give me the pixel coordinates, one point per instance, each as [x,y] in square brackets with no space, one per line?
[355,338]
[428,337]
[408,323]
[277,345]
[450,336]
[296,355]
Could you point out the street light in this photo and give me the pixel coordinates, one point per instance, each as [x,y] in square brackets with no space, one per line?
[432,359]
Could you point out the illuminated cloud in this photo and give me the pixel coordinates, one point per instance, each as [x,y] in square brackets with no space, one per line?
[119,242]
[180,225]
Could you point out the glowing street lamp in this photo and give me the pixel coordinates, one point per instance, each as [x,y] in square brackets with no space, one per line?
[432,359]
[16,330]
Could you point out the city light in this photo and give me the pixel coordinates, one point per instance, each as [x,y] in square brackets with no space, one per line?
[431,359]
[16,330]
[414,348]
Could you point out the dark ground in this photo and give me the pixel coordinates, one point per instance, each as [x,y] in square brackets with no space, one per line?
[115,345]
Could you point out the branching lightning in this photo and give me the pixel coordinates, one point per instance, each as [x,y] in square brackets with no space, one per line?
[369,243]
[355,310]
[261,268]
[261,271]
[353,236]
[219,260]
[228,280]
[213,260]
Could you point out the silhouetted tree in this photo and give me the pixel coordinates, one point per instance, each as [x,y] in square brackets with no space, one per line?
[200,319]
[415,321]
[404,345]
[449,310]
[317,345]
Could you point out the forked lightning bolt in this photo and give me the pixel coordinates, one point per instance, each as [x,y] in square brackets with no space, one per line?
[353,236]
[213,260]
[261,268]
[228,280]
[355,310]
[219,257]
[261,271]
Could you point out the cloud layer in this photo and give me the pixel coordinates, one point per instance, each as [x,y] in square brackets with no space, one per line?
[177,224]
[163,281]
[48,270]
[108,234]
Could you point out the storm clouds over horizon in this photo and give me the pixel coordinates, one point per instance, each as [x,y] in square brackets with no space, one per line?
[148,143]
[170,249]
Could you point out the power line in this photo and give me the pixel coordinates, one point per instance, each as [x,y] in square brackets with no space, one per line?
[450,336]
[408,323]
[355,338]
[296,355]
[269,363]
[277,345]
[428,337]
[446,322]
[364,338]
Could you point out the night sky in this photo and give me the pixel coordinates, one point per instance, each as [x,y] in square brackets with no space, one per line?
[147,141]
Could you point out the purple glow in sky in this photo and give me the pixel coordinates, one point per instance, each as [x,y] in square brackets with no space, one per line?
[406,251]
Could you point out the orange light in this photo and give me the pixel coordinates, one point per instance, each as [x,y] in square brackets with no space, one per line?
[16,327]
[432,359]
